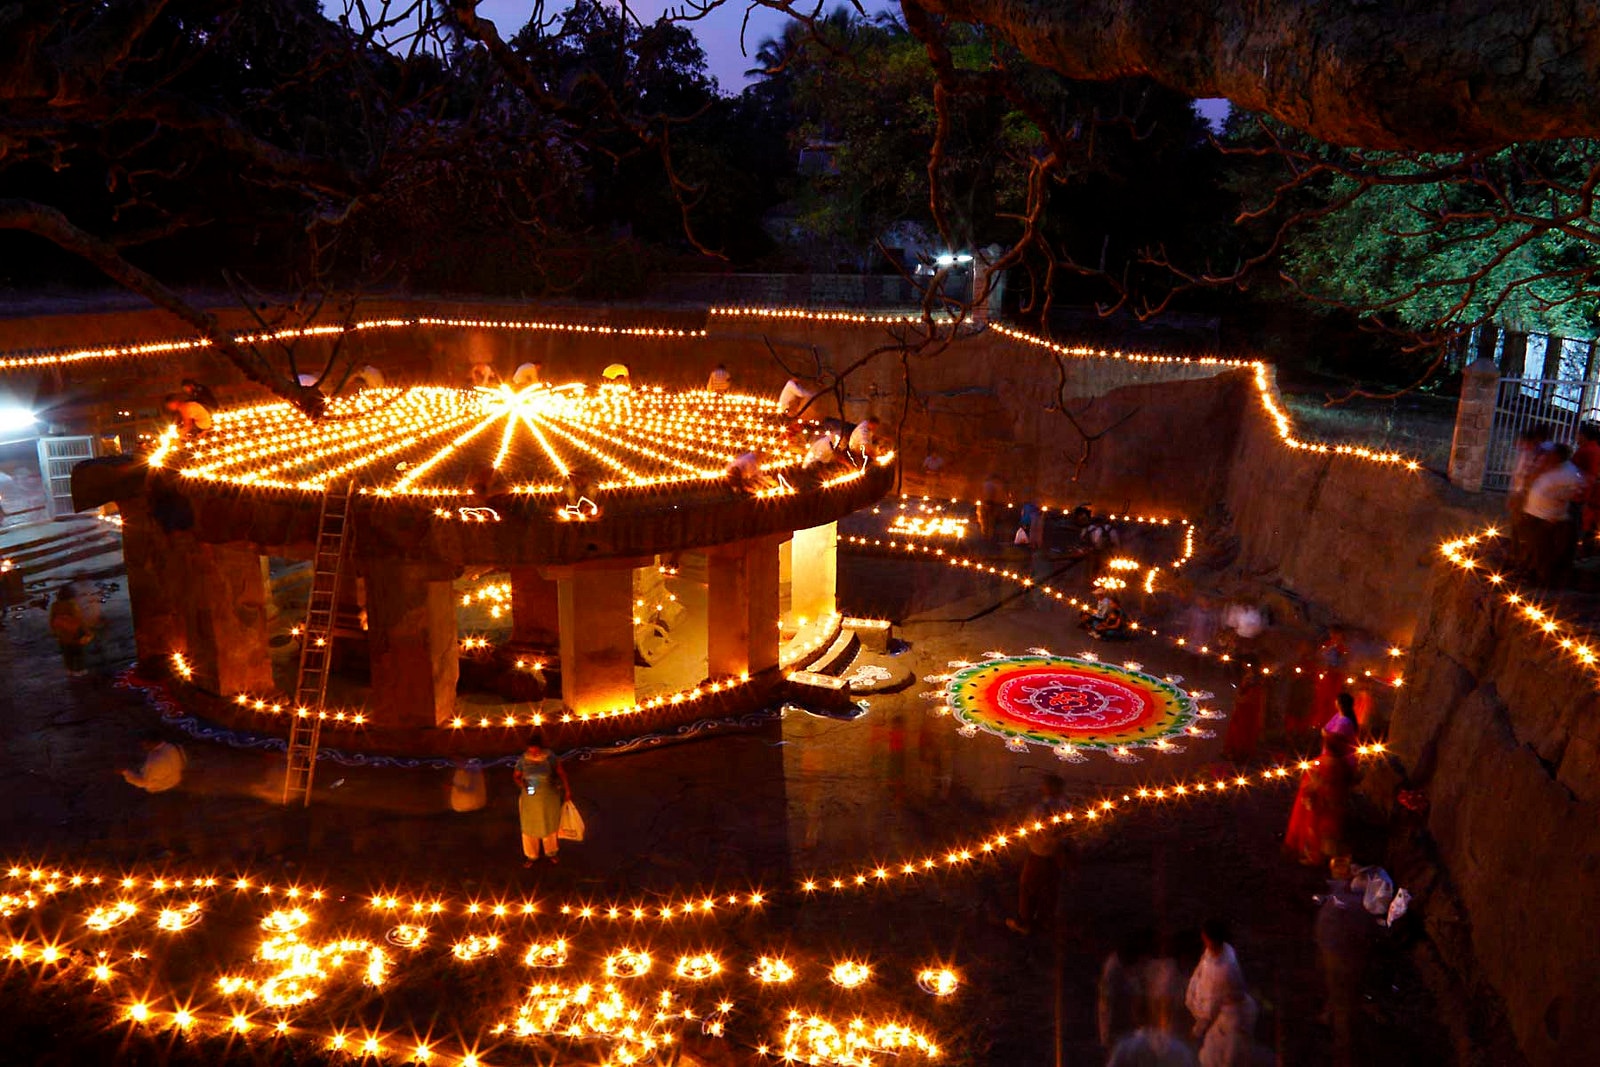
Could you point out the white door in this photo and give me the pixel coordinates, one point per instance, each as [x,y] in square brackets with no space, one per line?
[57,457]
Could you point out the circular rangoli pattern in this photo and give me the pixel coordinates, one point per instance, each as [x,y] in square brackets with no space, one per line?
[1058,700]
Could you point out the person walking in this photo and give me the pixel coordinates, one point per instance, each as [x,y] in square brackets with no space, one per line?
[1344,933]
[1223,1009]
[1549,532]
[1119,992]
[1039,882]
[1246,720]
[71,627]
[542,785]
[1317,822]
[1587,459]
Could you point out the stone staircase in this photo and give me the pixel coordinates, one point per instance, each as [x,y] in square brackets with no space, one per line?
[49,553]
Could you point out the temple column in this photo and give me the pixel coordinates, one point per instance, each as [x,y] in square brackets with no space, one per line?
[535,607]
[815,570]
[742,608]
[413,647]
[596,622]
[225,613]
[159,627]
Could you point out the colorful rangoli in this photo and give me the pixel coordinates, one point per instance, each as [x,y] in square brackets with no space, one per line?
[1068,703]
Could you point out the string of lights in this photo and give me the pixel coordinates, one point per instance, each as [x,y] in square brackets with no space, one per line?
[138,350]
[978,566]
[1466,553]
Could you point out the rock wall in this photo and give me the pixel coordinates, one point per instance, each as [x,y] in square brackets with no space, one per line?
[1502,730]
[1352,536]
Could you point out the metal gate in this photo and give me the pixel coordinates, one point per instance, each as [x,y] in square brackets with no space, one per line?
[57,457]
[1558,404]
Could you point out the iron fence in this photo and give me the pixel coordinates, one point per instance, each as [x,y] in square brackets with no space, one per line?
[1559,404]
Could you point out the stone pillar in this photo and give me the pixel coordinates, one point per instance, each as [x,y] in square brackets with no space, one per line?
[266,578]
[1469,447]
[815,569]
[148,552]
[225,611]
[596,613]
[742,608]
[535,607]
[412,644]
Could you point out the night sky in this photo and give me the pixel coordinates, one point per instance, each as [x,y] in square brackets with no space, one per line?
[719,36]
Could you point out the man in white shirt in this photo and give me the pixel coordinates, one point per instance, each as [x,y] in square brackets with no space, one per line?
[794,397]
[1548,526]
[744,472]
[163,819]
[864,439]
[821,453]
[720,379]
[163,766]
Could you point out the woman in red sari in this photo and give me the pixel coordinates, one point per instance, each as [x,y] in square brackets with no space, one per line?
[1330,660]
[1322,806]
[1244,722]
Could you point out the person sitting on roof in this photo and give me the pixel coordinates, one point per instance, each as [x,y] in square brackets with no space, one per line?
[1106,619]
[200,393]
[720,379]
[193,419]
[823,451]
[484,375]
[368,377]
[616,374]
[527,375]
[866,440]
[489,488]
[794,397]
[744,473]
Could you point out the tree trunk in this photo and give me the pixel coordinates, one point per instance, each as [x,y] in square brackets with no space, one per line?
[1488,334]
[1514,357]
[1552,367]
[1423,75]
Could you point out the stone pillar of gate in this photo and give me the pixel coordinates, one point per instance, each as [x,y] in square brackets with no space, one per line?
[1469,447]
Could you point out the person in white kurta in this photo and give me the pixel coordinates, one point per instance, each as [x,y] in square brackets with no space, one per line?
[793,397]
[1224,1011]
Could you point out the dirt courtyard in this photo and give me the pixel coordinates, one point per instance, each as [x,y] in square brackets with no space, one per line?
[758,811]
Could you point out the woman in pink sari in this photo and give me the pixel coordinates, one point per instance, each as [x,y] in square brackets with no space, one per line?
[1322,806]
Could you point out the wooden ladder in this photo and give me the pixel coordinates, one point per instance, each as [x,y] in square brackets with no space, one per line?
[316,643]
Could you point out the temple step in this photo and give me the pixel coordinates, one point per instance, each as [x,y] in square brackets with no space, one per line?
[837,656]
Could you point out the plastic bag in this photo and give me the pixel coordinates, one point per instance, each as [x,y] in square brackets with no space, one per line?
[1398,907]
[1376,889]
[571,826]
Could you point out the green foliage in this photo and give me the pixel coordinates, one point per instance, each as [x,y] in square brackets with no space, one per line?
[1439,243]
